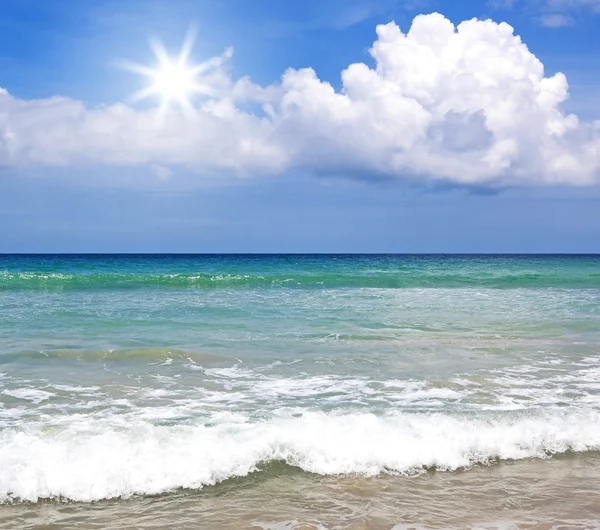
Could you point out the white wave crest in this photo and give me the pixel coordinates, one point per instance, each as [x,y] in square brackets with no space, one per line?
[29,394]
[91,460]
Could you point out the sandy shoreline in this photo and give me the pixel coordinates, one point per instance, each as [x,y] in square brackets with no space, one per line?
[561,492]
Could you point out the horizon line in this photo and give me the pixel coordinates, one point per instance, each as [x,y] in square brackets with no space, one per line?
[299,254]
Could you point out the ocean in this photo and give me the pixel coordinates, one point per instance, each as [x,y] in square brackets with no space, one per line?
[300,391]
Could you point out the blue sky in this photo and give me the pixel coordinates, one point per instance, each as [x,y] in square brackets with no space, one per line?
[83,174]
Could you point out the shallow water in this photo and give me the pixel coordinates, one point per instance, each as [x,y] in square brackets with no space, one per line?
[327,390]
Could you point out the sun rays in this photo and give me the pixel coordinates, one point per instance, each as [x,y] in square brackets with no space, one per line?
[173,80]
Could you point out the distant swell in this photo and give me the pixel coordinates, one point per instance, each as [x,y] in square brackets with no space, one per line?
[91,460]
[425,278]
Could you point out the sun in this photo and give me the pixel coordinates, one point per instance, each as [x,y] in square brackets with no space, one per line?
[173,80]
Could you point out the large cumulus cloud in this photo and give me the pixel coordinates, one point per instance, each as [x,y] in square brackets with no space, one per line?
[467,104]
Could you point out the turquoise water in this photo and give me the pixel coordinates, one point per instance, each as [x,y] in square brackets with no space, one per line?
[136,375]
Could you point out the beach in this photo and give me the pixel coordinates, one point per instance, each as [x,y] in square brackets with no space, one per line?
[299,391]
[558,493]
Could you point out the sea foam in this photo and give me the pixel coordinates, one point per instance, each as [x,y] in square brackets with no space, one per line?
[91,460]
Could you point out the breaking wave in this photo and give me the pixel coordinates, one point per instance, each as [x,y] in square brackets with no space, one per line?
[93,460]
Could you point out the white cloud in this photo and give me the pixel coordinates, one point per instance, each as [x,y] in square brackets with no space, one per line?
[469,105]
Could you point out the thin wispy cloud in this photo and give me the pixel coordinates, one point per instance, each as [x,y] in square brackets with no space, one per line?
[552,13]
[161,173]
[594,5]
[556,20]
[502,4]
[354,15]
